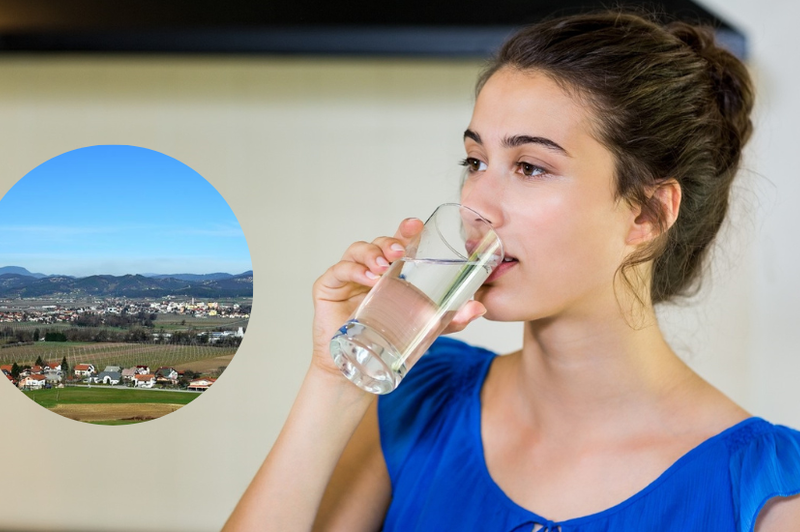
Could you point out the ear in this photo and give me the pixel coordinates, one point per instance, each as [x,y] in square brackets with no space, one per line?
[664,199]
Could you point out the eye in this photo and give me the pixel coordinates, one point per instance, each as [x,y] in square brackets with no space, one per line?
[473,165]
[530,170]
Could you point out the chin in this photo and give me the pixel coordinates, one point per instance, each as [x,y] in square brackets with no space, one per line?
[497,309]
[502,306]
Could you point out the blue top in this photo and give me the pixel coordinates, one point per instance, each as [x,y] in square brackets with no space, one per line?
[430,430]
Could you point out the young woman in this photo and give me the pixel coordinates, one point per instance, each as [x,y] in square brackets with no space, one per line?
[602,149]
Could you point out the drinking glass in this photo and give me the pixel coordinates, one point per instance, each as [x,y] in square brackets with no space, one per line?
[412,303]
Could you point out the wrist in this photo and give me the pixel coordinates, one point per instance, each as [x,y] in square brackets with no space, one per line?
[329,378]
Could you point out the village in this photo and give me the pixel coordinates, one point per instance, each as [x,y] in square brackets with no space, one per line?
[52,375]
[57,312]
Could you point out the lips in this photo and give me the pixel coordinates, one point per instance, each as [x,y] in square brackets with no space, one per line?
[502,268]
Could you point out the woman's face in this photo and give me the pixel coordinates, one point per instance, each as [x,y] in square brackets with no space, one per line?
[537,173]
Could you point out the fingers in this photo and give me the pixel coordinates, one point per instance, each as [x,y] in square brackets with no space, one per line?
[409,228]
[375,256]
[378,254]
[343,281]
[364,262]
[469,313]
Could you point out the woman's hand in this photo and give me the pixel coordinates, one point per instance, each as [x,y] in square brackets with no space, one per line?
[339,291]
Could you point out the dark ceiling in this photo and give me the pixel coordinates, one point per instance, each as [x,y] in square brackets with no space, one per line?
[410,27]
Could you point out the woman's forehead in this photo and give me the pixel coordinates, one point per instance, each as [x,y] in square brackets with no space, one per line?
[515,102]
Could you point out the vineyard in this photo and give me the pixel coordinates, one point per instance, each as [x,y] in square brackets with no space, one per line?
[111,354]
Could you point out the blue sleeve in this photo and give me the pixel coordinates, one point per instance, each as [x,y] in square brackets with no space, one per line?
[769,466]
[417,408]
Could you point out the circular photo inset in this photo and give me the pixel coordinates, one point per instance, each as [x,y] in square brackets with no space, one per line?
[125,285]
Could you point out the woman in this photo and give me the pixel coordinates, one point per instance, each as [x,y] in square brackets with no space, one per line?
[601,148]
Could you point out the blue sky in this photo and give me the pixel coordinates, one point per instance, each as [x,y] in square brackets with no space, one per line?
[117,210]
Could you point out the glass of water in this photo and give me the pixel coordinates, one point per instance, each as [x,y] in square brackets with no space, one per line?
[413,302]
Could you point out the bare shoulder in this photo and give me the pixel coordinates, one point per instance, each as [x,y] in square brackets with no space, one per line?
[359,492]
[708,411]
[781,514]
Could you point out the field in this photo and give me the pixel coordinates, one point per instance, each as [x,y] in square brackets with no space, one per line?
[115,354]
[168,322]
[208,365]
[176,322]
[110,406]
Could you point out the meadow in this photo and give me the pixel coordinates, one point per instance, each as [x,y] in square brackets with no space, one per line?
[110,405]
[79,395]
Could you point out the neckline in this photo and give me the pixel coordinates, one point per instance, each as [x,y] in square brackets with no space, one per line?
[476,437]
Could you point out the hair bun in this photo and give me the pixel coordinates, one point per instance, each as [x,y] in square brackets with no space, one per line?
[730,80]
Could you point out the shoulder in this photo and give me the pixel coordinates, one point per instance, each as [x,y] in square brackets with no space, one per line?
[449,368]
[764,464]
[780,514]
[431,394]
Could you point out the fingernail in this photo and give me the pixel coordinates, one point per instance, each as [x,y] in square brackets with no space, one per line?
[397,247]
[371,275]
[382,262]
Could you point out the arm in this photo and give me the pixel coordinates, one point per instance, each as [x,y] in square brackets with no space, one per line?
[780,514]
[360,490]
[287,490]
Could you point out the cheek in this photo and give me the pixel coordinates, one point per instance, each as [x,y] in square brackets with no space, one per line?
[576,238]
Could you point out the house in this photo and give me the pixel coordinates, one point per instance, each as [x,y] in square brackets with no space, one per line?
[53,377]
[52,366]
[113,369]
[144,381]
[32,382]
[166,375]
[128,374]
[108,377]
[143,370]
[36,370]
[6,369]
[199,385]
[84,370]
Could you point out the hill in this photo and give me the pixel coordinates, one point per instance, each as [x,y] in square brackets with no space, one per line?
[18,270]
[132,286]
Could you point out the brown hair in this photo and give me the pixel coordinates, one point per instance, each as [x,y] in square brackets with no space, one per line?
[671,105]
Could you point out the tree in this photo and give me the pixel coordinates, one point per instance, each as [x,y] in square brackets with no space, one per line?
[36,335]
[64,366]
[39,361]
[55,337]
[15,369]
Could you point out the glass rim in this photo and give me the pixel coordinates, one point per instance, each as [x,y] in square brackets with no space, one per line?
[482,218]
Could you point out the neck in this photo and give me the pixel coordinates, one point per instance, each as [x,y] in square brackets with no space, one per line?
[593,375]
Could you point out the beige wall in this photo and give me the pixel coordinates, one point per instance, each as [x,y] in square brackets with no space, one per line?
[311,155]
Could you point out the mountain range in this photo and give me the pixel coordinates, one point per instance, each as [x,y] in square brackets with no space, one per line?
[19,282]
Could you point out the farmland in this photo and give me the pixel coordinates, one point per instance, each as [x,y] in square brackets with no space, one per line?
[113,354]
[108,405]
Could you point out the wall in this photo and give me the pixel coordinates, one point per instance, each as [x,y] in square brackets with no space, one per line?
[311,155]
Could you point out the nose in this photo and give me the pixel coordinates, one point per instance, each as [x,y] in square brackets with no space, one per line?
[484,194]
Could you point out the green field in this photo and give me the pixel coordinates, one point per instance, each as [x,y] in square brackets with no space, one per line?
[106,395]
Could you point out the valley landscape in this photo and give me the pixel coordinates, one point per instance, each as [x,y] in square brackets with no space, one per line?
[119,349]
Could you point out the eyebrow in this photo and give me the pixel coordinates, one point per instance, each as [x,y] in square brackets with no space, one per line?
[519,140]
